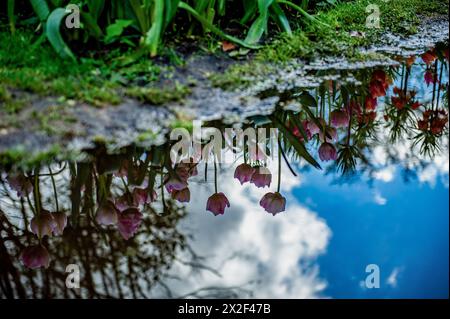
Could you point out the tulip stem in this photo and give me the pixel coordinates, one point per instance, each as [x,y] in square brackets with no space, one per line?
[439,86]
[434,83]
[36,196]
[125,185]
[54,188]
[279,164]
[31,205]
[285,158]
[162,193]
[215,174]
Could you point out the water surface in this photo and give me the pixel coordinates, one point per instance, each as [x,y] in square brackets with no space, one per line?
[377,194]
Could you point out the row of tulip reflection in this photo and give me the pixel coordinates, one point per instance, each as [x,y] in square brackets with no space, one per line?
[336,126]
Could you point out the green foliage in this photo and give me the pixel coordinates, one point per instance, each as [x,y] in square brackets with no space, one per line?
[94,81]
[145,22]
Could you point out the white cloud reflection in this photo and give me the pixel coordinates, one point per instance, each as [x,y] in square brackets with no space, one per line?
[273,257]
[428,170]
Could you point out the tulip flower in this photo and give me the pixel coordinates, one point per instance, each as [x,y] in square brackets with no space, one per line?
[429,57]
[313,128]
[60,223]
[43,224]
[410,60]
[262,177]
[273,203]
[371,103]
[379,83]
[183,196]
[217,203]
[327,152]
[422,125]
[107,213]
[125,201]
[340,118]
[20,184]
[35,257]
[175,183]
[244,173]
[187,168]
[141,196]
[331,135]
[128,222]
[429,77]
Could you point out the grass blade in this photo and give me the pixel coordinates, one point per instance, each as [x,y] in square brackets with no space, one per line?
[188,8]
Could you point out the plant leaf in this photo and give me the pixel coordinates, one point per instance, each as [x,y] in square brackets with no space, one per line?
[53,33]
[298,146]
[41,9]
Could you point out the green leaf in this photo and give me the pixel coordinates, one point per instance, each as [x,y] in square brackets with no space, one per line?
[295,142]
[53,33]
[171,7]
[116,29]
[41,9]
[307,100]
[154,34]
[260,25]
[281,18]
[96,8]
[11,17]
[141,15]
[293,118]
[91,25]
[196,15]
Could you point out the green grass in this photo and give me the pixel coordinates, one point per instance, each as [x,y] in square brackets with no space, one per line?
[399,16]
[101,78]
[37,69]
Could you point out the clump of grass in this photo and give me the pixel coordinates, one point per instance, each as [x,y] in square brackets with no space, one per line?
[39,70]
[400,17]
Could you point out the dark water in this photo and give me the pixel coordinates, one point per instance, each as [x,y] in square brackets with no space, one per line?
[375,194]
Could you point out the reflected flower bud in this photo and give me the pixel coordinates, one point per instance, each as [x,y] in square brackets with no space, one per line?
[217,203]
[244,173]
[327,152]
[43,224]
[107,213]
[183,196]
[128,222]
[60,223]
[35,257]
[273,203]
[262,177]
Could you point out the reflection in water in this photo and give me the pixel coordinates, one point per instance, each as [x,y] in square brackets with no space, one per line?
[122,219]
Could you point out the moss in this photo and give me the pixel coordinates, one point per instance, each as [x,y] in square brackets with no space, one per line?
[159,96]
[18,157]
[146,137]
[186,124]
[5,96]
